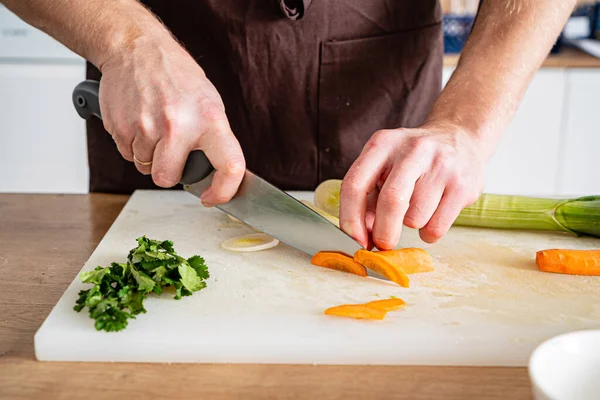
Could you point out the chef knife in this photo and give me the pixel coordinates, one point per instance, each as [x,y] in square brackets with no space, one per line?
[257,202]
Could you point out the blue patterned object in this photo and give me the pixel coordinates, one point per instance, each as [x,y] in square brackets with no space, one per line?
[456,32]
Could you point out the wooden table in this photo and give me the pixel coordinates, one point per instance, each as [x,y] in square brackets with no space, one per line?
[44,242]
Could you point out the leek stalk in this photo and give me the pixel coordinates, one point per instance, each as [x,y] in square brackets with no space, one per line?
[580,216]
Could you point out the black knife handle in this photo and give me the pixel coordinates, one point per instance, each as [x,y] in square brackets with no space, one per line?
[86,102]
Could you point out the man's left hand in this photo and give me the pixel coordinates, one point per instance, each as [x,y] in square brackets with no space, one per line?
[421,178]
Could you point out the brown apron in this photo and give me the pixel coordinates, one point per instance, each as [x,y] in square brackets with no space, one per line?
[305,83]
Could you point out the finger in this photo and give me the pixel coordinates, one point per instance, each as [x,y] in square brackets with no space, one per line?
[370,216]
[124,145]
[393,202]
[119,133]
[360,180]
[423,202]
[168,161]
[371,207]
[225,154]
[443,217]
[143,149]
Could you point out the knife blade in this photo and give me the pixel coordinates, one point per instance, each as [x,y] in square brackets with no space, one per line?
[276,213]
[257,203]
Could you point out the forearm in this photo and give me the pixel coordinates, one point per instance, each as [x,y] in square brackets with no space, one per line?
[95,29]
[509,42]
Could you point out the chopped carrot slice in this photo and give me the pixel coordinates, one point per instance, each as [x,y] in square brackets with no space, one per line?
[357,311]
[574,262]
[383,266]
[387,304]
[338,261]
[412,260]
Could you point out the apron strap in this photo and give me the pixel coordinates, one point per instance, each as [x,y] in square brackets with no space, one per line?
[294,9]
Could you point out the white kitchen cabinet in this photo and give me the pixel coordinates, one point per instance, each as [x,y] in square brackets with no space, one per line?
[526,160]
[42,139]
[580,173]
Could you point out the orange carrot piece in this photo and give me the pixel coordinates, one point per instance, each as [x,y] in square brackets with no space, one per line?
[412,260]
[387,304]
[574,262]
[357,311]
[383,266]
[338,261]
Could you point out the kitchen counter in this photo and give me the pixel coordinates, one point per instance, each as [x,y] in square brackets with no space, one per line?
[44,242]
[567,58]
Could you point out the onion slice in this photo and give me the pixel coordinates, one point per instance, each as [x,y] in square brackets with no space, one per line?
[249,243]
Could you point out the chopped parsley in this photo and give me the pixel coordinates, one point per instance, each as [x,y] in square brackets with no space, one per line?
[119,290]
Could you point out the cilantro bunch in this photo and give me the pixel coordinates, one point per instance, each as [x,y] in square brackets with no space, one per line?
[119,290]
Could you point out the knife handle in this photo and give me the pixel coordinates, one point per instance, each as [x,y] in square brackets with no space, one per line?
[86,102]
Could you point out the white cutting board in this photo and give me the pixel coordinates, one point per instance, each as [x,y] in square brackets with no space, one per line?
[486,303]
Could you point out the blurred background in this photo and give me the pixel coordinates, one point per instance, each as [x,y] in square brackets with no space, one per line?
[550,148]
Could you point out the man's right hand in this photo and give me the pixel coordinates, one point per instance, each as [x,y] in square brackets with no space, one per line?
[158,105]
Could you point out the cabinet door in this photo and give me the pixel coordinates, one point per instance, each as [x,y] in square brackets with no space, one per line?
[42,141]
[580,172]
[526,159]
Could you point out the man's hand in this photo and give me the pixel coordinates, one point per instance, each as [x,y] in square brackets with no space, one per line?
[428,175]
[158,105]
[421,178]
[155,100]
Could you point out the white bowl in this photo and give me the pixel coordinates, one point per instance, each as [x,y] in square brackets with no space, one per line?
[567,367]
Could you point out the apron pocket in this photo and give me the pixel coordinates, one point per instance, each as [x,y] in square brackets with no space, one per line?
[374,83]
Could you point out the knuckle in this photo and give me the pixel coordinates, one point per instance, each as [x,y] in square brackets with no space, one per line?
[377,140]
[144,124]
[126,151]
[444,162]
[419,144]
[461,183]
[234,167]
[121,131]
[350,187]
[392,197]
[212,112]
[175,121]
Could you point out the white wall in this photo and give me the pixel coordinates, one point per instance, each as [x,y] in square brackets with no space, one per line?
[551,145]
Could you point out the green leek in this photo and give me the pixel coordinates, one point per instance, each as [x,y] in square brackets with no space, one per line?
[579,216]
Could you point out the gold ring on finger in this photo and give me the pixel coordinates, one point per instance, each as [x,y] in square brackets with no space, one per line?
[142,162]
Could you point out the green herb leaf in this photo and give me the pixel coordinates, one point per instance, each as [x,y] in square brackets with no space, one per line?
[119,290]
[199,266]
[158,273]
[94,276]
[189,278]
[145,283]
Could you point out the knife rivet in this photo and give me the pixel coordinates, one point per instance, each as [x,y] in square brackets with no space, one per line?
[80,101]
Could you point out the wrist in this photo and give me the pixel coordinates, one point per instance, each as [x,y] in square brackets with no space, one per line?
[483,141]
[127,43]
